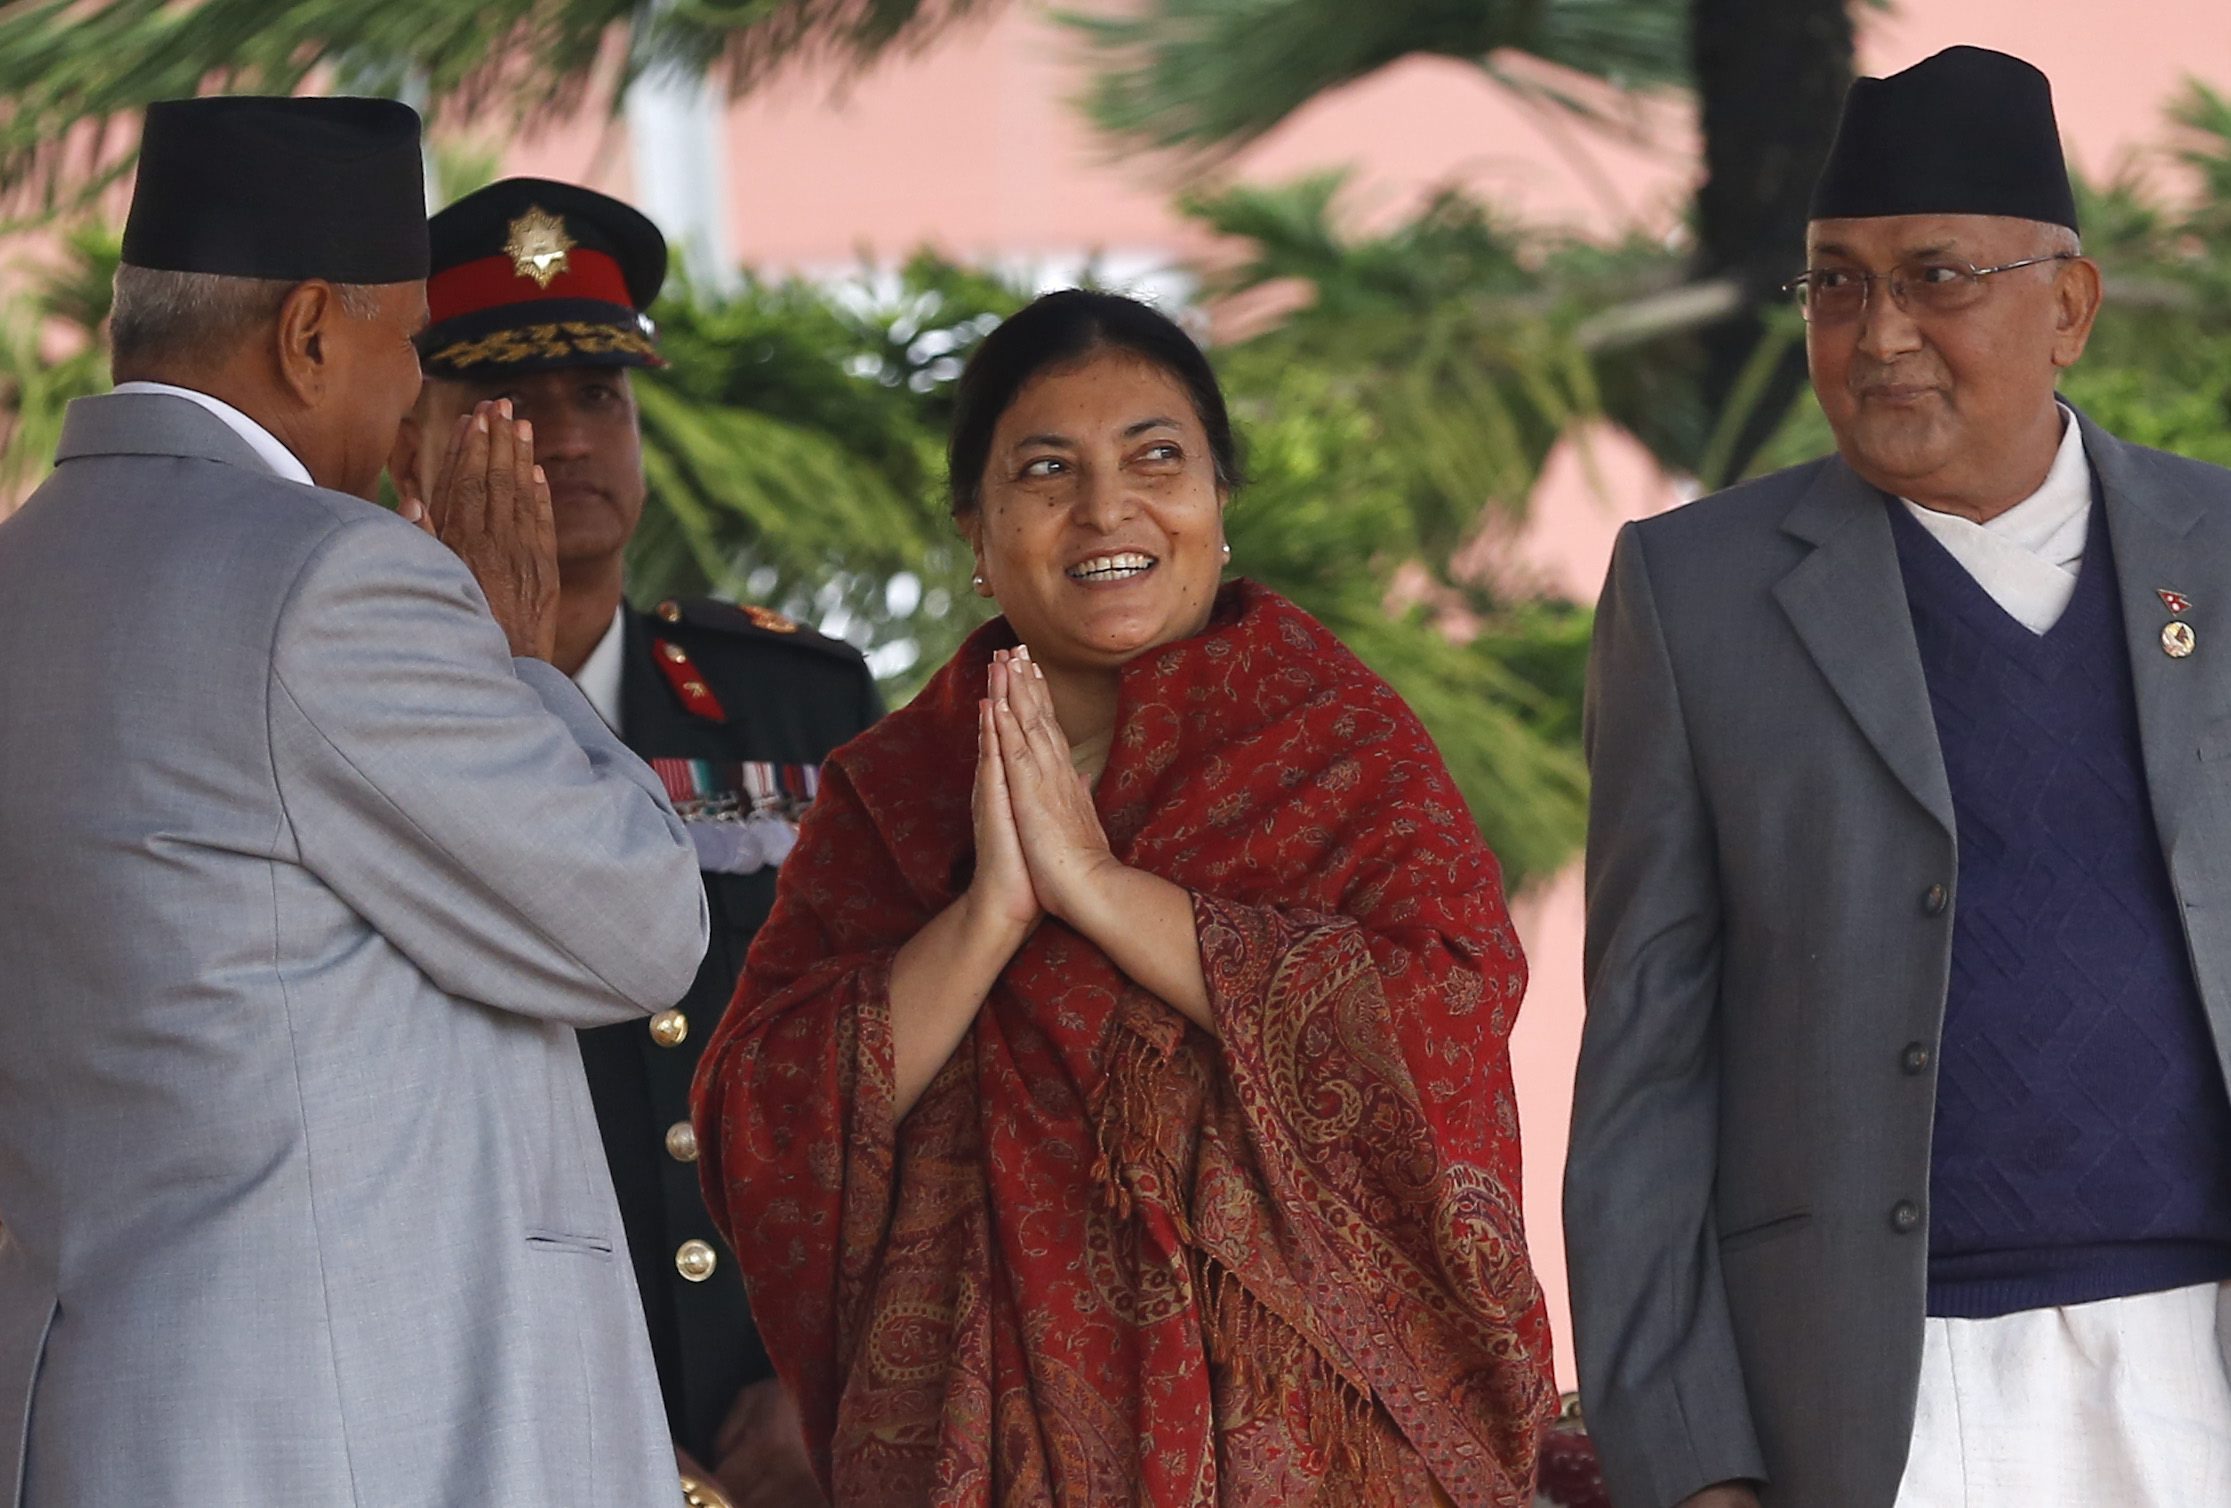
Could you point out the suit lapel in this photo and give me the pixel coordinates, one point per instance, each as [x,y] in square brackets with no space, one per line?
[2164,541]
[1847,603]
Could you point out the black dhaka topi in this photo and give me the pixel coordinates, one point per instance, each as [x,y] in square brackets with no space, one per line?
[1966,132]
[261,187]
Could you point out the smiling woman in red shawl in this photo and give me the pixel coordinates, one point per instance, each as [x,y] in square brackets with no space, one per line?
[1117,1108]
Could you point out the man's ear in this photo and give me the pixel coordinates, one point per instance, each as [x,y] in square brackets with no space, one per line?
[402,461]
[2077,295]
[305,337]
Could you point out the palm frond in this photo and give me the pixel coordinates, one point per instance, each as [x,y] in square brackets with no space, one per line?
[794,452]
[70,68]
[1437,329]
[2202,118]
[1335,506]
[1500,732]
[757,39]
[64,309]
[1202,77]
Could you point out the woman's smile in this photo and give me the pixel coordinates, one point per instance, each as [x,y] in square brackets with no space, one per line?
[1112,568]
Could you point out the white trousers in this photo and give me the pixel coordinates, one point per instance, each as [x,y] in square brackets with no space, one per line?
[2125,1403]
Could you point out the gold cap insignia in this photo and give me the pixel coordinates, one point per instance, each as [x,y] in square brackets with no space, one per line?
[767,618]
[538,245]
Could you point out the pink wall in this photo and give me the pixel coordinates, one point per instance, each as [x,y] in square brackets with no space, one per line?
[974,147]
[2113,65]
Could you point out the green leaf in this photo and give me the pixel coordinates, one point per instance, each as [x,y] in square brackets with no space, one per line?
[1207,76]
[69,66]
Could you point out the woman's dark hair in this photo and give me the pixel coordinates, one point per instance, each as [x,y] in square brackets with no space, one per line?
[1054,331]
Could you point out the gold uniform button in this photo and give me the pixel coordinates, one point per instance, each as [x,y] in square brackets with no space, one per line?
[681,1142]
[698,1493]
[669,1028]
[696,1260]
[671,611]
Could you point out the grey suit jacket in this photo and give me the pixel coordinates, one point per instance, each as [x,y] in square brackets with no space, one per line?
[1770,814]
[304,885]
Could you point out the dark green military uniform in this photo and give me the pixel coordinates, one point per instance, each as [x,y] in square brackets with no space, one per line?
[780,697]
[735,707]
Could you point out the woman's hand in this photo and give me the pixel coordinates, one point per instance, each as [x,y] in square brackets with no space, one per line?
[942,974]
[1140,920]
[1062,842]
[1001,894]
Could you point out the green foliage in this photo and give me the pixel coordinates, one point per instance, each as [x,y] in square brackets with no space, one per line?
[1328,517]
[795,452]
[67,67]
[2203,116]
[1447,330]
[2184,406]
[1207,76]
[1423,377]
[65,307]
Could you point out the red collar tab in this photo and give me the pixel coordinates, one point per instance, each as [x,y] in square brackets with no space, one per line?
[493,282]
[688,682]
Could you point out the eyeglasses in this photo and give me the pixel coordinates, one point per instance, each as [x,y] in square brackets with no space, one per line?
[1939,285]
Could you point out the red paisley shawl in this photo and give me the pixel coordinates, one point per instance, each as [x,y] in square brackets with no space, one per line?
[1108,1259]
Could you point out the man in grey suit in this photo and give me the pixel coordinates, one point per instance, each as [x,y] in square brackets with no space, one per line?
[1901,1157]
[309,868]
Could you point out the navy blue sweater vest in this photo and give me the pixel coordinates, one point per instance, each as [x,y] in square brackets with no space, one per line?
[2082,1147]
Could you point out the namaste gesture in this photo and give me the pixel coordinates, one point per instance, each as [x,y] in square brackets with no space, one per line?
[1039,843]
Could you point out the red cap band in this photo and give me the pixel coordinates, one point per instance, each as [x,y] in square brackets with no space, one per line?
[493,282]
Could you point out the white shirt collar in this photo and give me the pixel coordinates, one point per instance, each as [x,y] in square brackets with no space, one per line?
[599,675]
[281,460]
[2052,522]
[2027,557]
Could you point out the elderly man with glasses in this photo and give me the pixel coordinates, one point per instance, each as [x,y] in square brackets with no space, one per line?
[1901,1158]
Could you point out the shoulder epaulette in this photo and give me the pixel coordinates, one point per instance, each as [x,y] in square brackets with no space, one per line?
[750,620]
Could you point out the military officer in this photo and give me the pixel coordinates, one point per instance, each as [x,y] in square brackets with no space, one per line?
[537,295]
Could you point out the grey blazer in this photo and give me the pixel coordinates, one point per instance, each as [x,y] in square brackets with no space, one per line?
[1767,958]
[304,885]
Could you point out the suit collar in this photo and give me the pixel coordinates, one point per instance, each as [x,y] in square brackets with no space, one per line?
[2131,485]
[1846,601]
[1834,501]
[1827,505]
[151,424]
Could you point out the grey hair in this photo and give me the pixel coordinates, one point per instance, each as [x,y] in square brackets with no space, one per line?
[2060,241]
[169,316]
